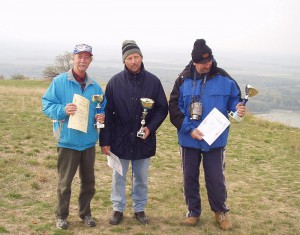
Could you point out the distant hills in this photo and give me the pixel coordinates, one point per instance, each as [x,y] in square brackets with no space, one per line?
[278,84]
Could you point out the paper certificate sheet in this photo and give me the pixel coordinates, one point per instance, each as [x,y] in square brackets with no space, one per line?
[114,162]
[79,121]
[213,126]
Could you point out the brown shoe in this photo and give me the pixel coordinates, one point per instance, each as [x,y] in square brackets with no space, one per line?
[141,217]
[116,217]
[222,219]
[192,221]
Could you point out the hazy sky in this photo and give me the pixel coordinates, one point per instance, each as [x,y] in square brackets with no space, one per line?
[268,27]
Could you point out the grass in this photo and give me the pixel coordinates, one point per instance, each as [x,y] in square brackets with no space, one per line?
[262,172]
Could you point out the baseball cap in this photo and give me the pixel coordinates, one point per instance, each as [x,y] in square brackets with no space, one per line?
[82,48]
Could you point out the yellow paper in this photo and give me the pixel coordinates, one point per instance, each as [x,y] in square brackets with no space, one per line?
[79,121]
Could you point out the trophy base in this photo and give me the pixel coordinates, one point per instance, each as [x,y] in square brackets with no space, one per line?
[99,125]
[235,116]
[141,134]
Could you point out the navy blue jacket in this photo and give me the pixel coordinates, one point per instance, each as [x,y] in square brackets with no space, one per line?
[220,91]
[123,114]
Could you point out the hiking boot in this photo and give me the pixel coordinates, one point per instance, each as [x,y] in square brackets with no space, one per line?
[62,223]
[88,221]
[222,219]
[192,220]
[116,217]
[141,217]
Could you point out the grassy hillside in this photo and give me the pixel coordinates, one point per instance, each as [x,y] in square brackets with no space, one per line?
[262,170]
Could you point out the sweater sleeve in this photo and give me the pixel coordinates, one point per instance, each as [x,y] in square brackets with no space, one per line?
[161,109]
[176,116]
[105,133]
[53,107]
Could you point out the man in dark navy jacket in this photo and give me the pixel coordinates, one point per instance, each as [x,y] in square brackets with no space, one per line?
[200,88]
[123,121]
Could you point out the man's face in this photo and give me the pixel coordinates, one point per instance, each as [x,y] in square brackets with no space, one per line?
[203,68]
[82,61]
[133,63]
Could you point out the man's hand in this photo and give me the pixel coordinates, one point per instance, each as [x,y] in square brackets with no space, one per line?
[147,133]
[241,109]
[70,109]
[100,118]
[196,134]
[105,150]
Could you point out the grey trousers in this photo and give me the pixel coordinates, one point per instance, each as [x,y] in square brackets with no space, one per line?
[67,163]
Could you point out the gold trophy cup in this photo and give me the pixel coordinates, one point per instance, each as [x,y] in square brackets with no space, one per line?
[98,99]
[146,104]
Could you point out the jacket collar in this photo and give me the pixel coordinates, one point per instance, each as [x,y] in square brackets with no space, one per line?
[134,76]
[87,77]
[188,71]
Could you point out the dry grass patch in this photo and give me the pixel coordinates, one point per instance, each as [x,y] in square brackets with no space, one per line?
[262,172]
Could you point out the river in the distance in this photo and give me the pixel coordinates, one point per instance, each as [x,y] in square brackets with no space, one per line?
[286,117]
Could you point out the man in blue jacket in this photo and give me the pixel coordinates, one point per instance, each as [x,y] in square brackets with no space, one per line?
[201,87]
[122,122]
[75,148]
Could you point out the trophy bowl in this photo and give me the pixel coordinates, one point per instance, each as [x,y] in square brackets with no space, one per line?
[98,98]
[147,103]
[250,91]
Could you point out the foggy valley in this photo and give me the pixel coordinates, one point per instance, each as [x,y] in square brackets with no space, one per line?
[277,79]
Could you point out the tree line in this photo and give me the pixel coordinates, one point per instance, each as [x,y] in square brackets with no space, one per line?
[273,93]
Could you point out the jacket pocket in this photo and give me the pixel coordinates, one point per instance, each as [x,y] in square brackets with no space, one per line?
[148,146]
[119,145]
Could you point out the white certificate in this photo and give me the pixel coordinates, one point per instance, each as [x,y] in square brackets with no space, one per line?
[79,120]
[114,162]
[213,126]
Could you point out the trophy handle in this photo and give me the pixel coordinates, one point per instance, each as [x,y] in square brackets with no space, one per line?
[250,91]
[141,133]
[245,100]
[235,114]
[98,125]
[98,108]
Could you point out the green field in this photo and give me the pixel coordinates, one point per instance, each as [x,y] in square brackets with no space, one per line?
[262,172]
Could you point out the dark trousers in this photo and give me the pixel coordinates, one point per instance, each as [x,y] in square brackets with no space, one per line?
[68,162]
[213,165]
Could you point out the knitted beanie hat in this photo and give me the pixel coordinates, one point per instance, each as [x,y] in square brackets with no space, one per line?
[130,47]
[201,52]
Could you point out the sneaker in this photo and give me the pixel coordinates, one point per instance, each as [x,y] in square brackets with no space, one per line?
[62,223]
[116,217]
[88,221]
[222,219]
[192,220]
[141,217]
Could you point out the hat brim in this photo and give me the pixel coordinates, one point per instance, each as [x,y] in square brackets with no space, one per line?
[77,52]
[204,60]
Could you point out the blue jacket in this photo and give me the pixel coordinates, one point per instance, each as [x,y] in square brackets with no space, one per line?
[220,91]
[124,110]
[60,93]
